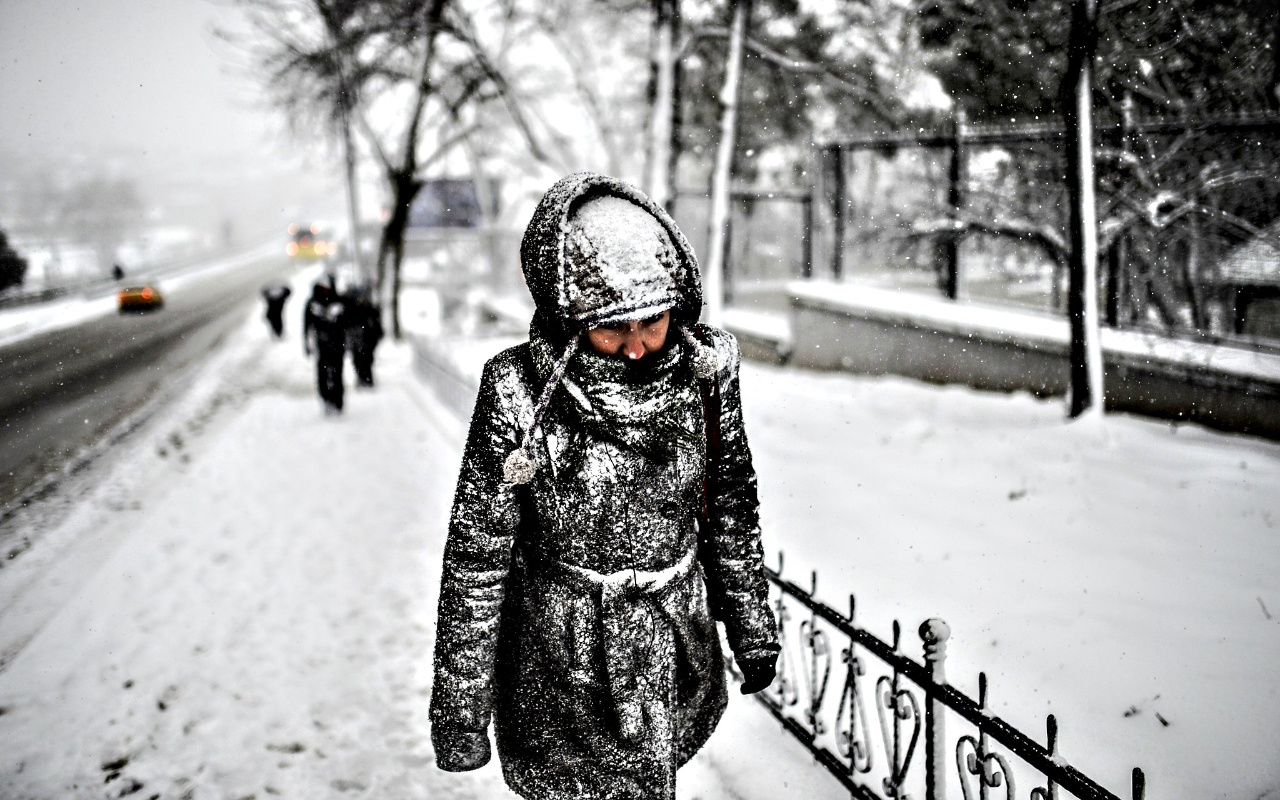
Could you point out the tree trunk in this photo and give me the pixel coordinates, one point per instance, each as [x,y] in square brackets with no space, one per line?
[949,250]
[717,239]
[1162,293]
[1191,275]
[404,188]
[353,197]
[1273,85]
[393,247]
[677,108]
[1082,294]
[658,141]
[1119,272]
[384,251]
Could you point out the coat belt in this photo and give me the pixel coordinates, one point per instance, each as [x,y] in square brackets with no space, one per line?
[624,581]
[626,653]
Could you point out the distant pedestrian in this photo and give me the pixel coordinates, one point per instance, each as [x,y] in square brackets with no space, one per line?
[117,272]
[364,331]
[275,296]
[324,332]
[605,512]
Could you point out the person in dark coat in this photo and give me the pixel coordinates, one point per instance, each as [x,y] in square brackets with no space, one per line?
[606,505]
[324,331]
[275,296]
[364,331]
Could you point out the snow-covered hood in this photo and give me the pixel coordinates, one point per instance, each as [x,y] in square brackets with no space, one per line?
[542,251]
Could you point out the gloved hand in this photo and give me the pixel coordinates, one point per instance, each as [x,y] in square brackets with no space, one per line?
[460,750]
[758,671]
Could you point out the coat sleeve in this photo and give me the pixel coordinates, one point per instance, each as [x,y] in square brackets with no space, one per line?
[477,558]
[734,549]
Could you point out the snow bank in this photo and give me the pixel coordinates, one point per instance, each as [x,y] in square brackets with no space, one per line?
[1105,573]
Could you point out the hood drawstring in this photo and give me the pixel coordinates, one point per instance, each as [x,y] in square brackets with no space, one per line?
[519,466]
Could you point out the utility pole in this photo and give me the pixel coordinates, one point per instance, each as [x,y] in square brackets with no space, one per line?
[1082,295]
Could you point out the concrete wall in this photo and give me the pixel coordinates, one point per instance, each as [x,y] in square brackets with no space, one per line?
[454,386]
[879,333]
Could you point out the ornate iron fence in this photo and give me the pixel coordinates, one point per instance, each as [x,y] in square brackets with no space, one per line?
[820,698]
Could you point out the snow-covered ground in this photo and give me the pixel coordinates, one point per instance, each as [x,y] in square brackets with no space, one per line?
[241,602]
[1124,576]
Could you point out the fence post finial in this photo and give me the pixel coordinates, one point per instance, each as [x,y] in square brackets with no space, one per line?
[935,633]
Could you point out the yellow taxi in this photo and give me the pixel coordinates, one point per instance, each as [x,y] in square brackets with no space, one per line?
[139,298]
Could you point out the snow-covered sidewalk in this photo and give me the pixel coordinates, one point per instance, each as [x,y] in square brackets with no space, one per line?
[252,617]
[241,602]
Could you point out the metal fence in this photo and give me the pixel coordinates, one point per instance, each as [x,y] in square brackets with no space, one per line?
[1187,211]
[826,698]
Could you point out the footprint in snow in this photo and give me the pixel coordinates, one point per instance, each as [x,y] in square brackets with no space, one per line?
[291,747]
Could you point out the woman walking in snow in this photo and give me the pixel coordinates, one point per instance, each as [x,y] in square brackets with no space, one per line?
[606,505]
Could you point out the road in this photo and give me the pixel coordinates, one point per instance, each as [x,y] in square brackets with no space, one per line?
[63,390]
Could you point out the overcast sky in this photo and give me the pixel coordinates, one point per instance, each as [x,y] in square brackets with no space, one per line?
[144,75]
[123,72]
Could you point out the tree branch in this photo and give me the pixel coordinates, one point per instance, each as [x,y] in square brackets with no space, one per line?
[859,90]
[1045,238]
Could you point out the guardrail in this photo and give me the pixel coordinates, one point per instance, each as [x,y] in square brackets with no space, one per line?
[910,700]
[12,299]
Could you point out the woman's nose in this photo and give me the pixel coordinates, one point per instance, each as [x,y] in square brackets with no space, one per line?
[632,346]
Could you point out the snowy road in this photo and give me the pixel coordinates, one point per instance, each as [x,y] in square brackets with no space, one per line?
[62,389]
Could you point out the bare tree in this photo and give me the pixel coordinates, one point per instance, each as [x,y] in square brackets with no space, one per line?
[411,75]
[1179,182]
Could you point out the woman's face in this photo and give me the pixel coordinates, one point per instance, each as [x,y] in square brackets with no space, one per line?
[631,340]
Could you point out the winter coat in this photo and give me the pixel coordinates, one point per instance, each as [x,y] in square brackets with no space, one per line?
[574,608]
[325,320]
[364,328]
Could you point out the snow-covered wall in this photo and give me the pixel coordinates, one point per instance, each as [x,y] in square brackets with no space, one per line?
[880,332]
